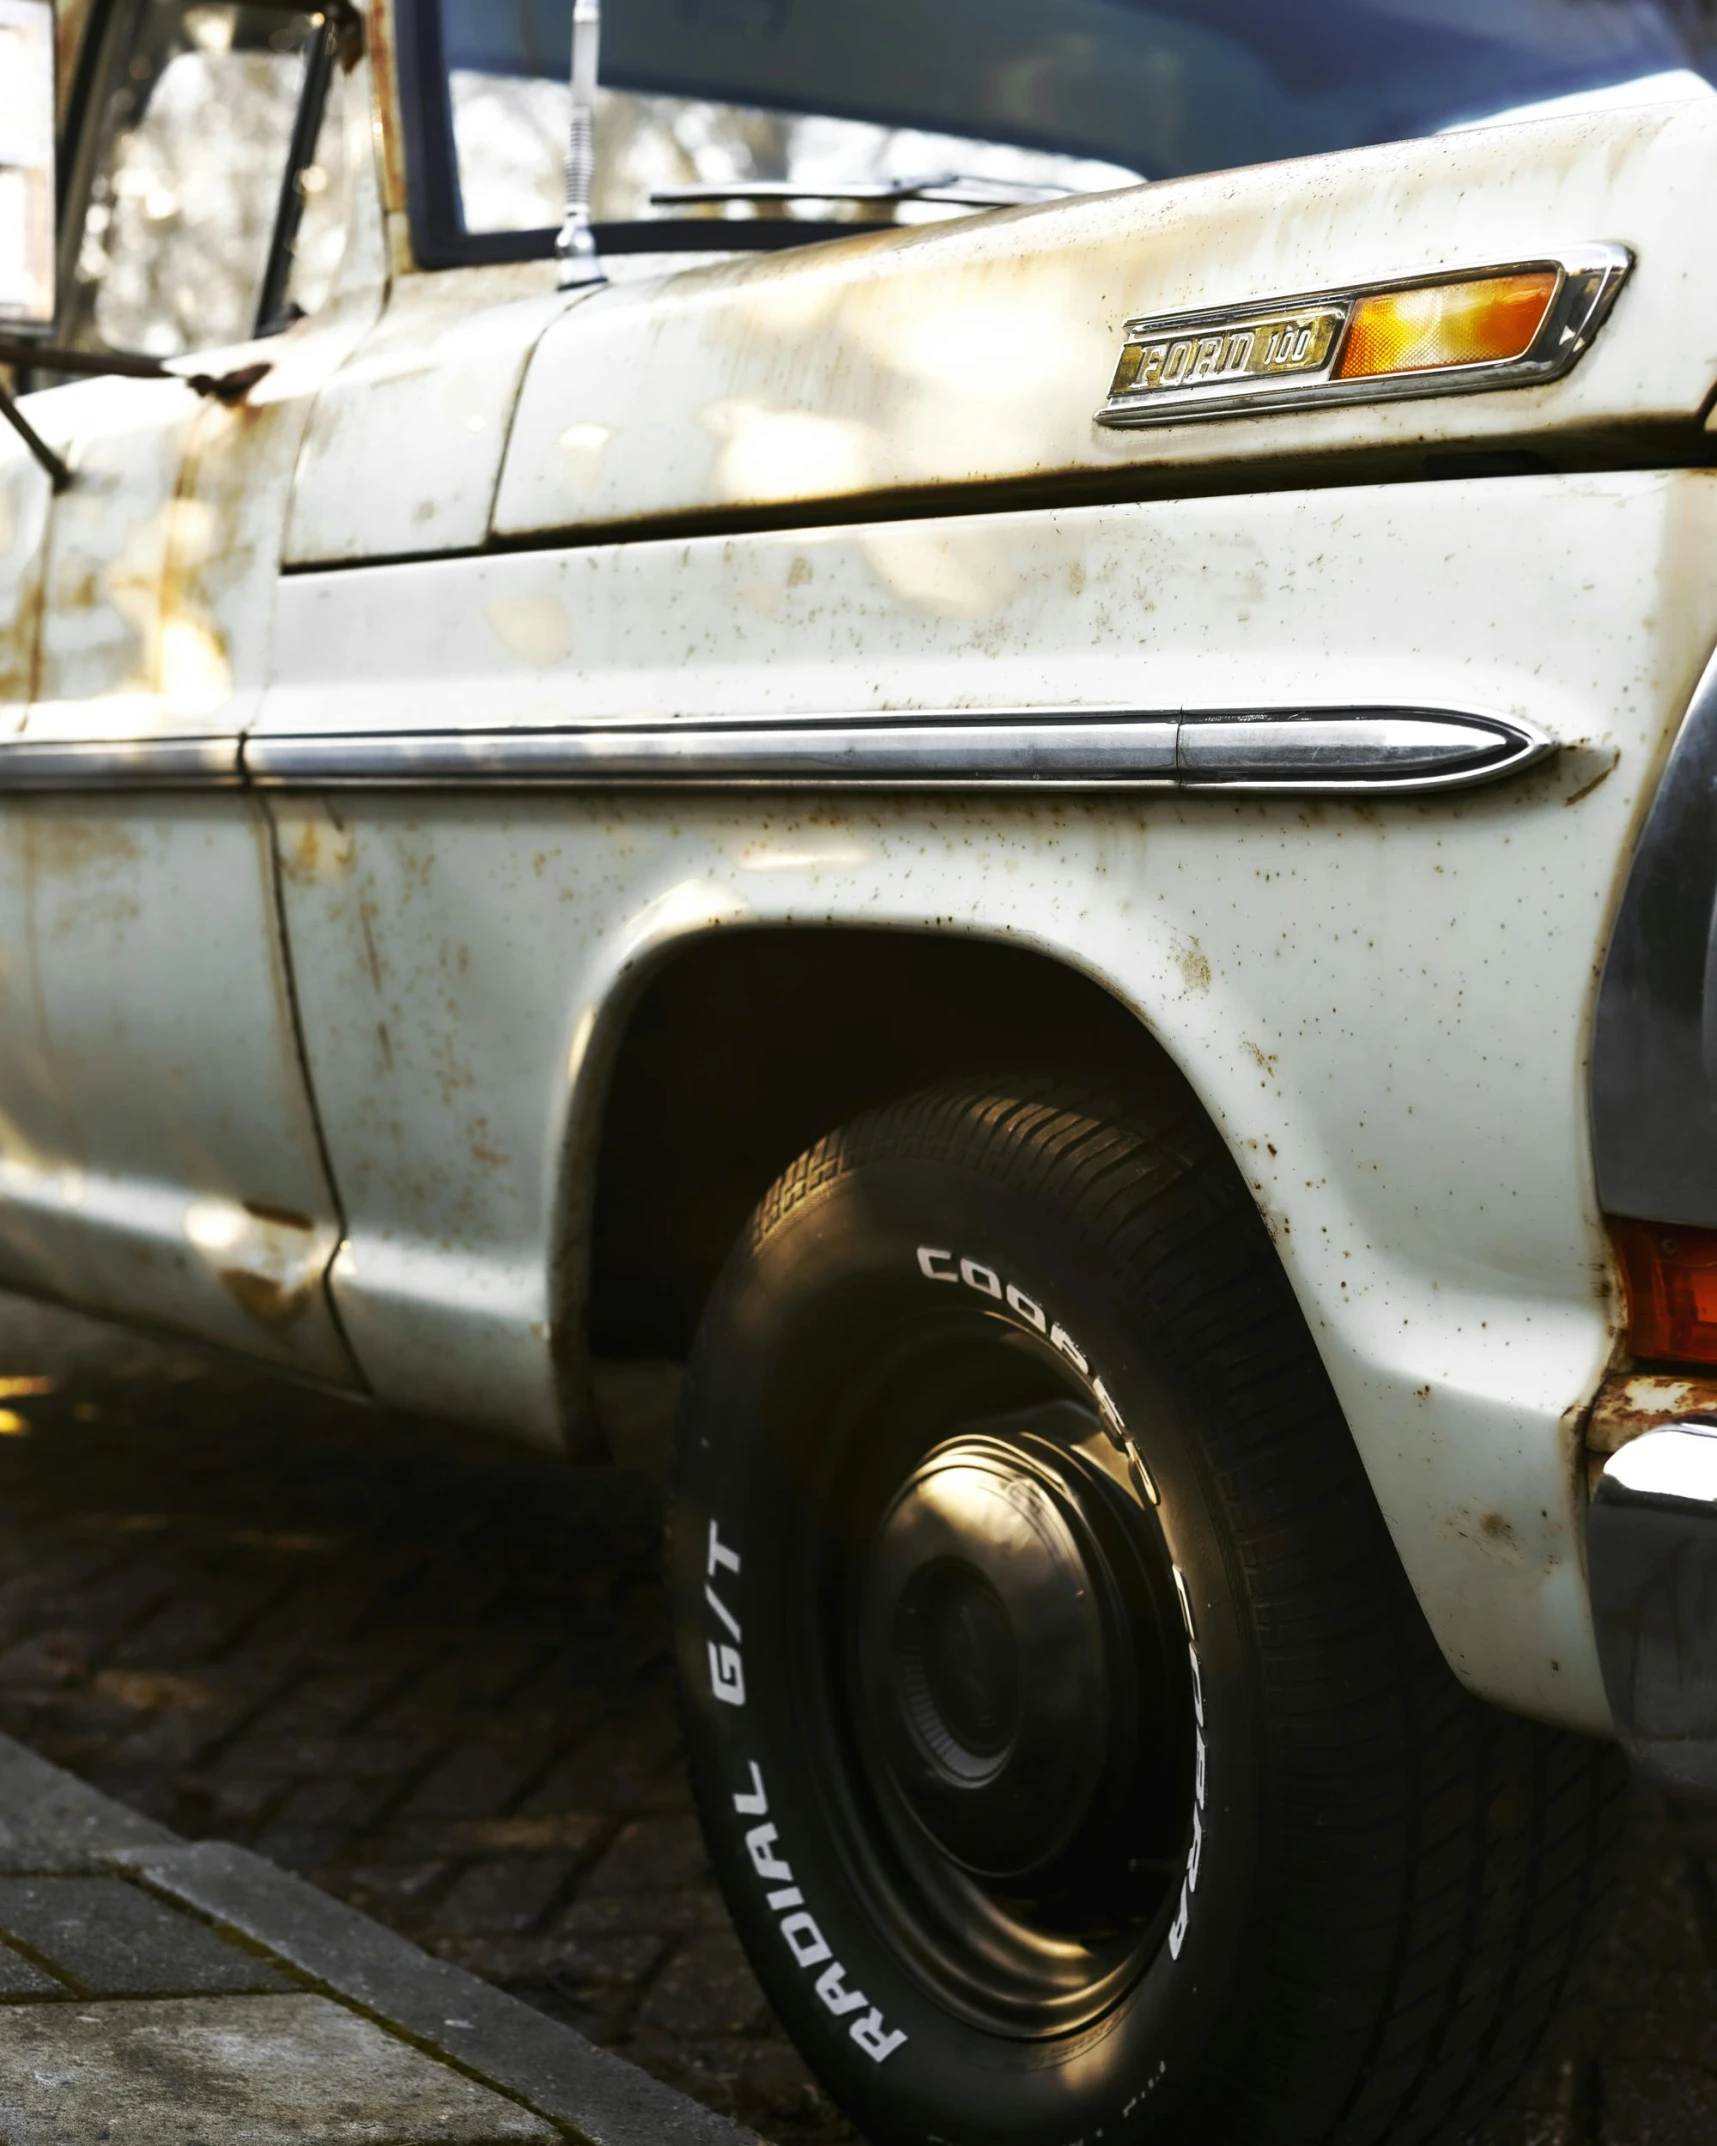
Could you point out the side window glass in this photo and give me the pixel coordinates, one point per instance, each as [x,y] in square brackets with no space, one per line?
[196,111]
[327,196]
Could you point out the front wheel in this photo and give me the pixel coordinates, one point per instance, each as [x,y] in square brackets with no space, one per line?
[1073,1757]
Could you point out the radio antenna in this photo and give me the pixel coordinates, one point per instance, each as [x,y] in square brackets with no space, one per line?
[575,248]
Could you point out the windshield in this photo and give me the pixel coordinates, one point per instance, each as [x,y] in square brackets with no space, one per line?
[1070,94]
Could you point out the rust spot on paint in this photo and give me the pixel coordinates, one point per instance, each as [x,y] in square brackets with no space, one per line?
[22,527]
[371,956]
[1491,1532]
[1629,1405]
[265,1297]
[484,1152]
[73,847]
[1603,775]
[281,1217]
[385,71]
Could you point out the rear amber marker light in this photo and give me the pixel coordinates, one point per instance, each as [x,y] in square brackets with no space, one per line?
[1488,321]
[1671,1277]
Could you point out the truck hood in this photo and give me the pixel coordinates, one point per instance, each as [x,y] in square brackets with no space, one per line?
[977,353]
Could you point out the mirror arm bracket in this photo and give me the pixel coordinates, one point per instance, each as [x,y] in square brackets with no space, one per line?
[58,472]
[229,388]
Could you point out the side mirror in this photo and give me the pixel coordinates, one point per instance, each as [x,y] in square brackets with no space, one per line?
[26,167]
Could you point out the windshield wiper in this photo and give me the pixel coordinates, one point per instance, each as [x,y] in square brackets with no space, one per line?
[950,189]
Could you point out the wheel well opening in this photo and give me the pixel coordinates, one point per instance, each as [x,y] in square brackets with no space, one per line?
[747,1046]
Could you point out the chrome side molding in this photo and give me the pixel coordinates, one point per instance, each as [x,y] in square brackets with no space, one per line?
[1332,750]
[1328,751]
[945,753]
[123,764]
[1354,748]
[1652,1550]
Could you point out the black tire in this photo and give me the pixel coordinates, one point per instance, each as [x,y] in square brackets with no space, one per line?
[1050,1679]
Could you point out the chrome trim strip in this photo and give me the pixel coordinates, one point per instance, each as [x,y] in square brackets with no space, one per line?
[1005,750]
[1590,280]
[1328,750]
[1355,749]
[121,764]
[1651,1542]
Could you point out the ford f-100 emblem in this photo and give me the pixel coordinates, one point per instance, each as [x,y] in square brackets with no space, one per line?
[1265,348]
[1507,326]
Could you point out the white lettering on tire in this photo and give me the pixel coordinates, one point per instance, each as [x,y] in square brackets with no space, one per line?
[985,1280]
[874,2039]
[944,1264]
[803,1934]
[761,1843]
[1031,1313]
[726,1663]
[939,1265]
[726,1674]
[832,1989]
[808,1945]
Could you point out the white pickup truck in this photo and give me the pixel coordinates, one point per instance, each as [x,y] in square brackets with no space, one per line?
[998,720]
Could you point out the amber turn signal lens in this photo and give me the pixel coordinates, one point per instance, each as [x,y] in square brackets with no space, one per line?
[1485,322]
[1671,1277]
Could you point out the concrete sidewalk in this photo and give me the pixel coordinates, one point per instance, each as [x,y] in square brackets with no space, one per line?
[159,1993]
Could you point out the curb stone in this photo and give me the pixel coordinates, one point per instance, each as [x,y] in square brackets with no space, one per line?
[442,2054]
[49,1821]
[551,2068]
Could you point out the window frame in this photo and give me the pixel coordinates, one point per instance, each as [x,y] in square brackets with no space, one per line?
[80,144]
[438,235]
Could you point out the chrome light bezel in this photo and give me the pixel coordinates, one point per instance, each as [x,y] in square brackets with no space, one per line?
[1589,280]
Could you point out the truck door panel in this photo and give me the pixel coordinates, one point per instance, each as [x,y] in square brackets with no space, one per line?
[161,1157]
[182,1180]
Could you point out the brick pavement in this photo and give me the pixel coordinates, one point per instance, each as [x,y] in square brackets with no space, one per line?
[431,1674]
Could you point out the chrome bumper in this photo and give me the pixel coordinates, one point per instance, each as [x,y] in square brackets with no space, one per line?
[1652,1543]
